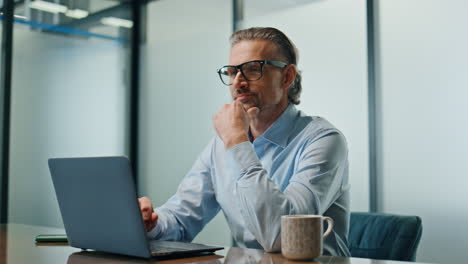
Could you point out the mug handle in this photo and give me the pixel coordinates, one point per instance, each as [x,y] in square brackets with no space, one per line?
[330,226]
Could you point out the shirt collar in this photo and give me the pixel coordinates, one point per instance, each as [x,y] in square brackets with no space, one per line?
[278,133]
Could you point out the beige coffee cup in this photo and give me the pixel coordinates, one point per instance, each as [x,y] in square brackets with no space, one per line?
[302,235]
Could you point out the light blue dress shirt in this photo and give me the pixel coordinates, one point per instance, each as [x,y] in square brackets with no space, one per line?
[298,166]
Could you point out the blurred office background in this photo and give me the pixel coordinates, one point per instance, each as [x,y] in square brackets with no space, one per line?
[388,73]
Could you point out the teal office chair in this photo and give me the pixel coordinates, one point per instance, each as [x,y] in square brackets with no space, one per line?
[384,236]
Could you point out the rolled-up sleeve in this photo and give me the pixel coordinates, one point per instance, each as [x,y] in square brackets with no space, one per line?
[314,186]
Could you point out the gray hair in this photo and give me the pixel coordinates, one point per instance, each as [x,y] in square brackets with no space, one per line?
[285,47]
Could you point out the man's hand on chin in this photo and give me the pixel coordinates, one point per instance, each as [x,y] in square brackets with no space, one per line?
[232,123]
[252,112]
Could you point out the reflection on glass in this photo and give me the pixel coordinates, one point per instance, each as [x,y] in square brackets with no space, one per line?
[254,256]
[84,18]
[101,258]
[242,255]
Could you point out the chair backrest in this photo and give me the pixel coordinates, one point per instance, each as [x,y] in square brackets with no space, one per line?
[384,236]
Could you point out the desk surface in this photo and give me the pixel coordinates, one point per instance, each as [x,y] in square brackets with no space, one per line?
[17,246]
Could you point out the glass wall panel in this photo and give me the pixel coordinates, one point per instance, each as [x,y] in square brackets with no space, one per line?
[69,95]
[423,125]
[331,39]
[186,42]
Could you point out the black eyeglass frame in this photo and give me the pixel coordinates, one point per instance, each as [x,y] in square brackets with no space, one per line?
[278,64]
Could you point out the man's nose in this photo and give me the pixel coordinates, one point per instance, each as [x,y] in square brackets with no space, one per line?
[239,80]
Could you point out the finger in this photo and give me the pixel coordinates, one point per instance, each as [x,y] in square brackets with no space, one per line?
[154,220]
[151,223]
[146,204]
[146,216]
[237,103]
[143,210]
[252,112]
[239,107]
[146,208]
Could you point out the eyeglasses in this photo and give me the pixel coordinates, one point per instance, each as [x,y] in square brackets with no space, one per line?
[251,70]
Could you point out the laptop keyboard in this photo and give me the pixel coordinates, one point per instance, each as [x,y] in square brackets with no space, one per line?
[169,247]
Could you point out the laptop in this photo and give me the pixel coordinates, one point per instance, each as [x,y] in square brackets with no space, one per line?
[100,211]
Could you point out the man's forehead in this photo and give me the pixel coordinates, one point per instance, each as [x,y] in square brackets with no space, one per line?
[247,50]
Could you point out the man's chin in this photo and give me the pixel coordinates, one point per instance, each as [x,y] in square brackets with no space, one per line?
[248,105]
[248,102]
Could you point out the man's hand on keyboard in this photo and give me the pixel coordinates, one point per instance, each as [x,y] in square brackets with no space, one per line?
[150,218]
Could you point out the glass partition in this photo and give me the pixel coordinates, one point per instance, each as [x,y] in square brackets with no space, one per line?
[70,83]
[331,39]
[187,41]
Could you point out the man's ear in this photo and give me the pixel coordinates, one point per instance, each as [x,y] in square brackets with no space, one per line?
[289,75]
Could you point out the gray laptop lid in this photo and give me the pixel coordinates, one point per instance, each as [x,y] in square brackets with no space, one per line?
[99,206]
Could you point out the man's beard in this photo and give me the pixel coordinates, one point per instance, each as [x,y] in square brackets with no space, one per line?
[250,102]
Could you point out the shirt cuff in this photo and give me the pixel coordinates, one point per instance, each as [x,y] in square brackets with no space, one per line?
[243,156]
[155,233]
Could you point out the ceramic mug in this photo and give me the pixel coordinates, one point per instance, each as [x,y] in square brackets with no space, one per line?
[302,236]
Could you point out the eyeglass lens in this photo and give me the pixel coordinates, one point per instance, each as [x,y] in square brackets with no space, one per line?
[251,71]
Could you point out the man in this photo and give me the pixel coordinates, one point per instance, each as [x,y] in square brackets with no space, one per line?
[267,160]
